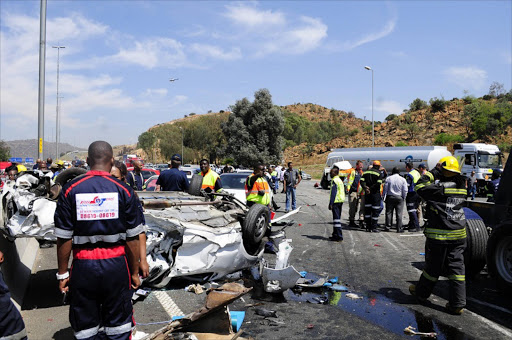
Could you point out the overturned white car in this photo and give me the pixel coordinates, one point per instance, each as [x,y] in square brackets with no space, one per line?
[188,234]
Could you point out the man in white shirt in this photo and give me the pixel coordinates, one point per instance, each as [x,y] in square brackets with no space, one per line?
[395,192]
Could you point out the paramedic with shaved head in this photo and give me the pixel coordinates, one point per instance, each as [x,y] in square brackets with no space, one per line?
[98,218]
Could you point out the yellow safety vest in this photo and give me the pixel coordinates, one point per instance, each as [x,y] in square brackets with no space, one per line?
[340,193]
[252,194]
[209,180]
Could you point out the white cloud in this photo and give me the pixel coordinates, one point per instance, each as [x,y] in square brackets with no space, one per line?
[251,17]
[388,106]
[216,52]
[385,31]
[179,99]
[161,92]
[468,77]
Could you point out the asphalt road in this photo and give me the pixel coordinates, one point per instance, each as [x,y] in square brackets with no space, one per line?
[377,267]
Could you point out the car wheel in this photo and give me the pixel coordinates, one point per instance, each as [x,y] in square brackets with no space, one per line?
[324,182]
[254,227]
[499,257]
[194,187]
[69,174]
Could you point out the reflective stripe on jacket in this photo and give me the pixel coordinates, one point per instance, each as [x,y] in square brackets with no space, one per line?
[252,193]
[426,179]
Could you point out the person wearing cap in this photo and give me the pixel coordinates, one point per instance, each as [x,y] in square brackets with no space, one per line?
[57,168]
[371,182]
[412,200]
[445,236]
[337,197]
[211,180]
[172,179]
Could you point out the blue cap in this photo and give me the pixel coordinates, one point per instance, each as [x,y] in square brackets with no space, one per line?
[422,165]
[176,157]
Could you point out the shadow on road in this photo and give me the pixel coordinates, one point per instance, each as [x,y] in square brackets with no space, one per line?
[64,334]
[316,237]
[42,291]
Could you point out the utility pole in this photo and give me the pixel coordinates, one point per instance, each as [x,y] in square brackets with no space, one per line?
[57,124]
[42,60]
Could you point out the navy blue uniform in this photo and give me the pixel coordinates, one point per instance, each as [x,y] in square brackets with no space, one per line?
[11,323]
[135,181]
[98,212]
[172,180]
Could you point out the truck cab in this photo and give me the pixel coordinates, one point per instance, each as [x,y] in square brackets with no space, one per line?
[480,158]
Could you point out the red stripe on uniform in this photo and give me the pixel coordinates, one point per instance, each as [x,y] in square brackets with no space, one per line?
[75,184]
[114,181]
[98,253]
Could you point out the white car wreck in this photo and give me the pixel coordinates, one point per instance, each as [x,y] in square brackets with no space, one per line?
[188,234]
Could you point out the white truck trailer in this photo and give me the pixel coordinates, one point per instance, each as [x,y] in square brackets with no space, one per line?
[388,156]
[478,157]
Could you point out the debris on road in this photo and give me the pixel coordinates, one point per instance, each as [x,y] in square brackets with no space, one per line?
[353,296]
[339,288]
[283,276]
[266,312]
[195,288]
[411,331]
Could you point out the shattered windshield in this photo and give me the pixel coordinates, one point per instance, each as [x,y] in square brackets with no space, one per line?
[234,181]
[489,161]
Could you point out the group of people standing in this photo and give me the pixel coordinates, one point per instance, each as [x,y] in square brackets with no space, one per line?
[444,191]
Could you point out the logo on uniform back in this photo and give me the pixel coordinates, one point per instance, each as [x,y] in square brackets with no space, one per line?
[101,206]
[98,201]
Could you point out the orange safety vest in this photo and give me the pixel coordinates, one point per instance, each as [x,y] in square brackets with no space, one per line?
[209,180]
[252,194]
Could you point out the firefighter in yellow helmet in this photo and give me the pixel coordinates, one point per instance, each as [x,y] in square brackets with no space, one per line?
[371,182]
[446,236]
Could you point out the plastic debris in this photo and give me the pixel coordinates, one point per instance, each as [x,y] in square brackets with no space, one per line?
[377,245]
[334,280]
[310,326]
[353,296]
[339,288]
[303,273]
[265,312]
[412,331]
[195,288]
[422,254]
[307,283]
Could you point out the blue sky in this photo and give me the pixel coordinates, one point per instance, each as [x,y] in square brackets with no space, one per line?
[120,55]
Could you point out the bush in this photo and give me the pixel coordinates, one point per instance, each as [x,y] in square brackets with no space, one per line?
[418,104]
[469,99]
[401,143]
[411,128]
[391,117]
[354,132]
[367,129]
[487,97]
[437,104]
[446,138]
[351,114]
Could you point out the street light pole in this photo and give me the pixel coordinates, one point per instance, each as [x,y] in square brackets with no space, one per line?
[42,56]
[57,134]
[182,155]
[373,125]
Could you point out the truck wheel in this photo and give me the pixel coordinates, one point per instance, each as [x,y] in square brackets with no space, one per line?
[476,243]
[68,174]
[499,257]
[194,187]
[254,227]
[324,182]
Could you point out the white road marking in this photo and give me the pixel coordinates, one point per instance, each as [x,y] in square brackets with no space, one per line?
[168,304]
[505,310]
[388,241]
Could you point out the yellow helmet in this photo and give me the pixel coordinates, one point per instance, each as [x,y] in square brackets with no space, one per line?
[60,162]
[450,163]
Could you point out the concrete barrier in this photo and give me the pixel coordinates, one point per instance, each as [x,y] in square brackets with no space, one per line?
[20,256]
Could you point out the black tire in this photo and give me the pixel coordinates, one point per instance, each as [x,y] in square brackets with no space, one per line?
[499,257]
[476,243]
[194,187]
[324,183]
[255,227]
[68,174]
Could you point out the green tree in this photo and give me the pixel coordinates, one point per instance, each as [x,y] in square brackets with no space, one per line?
[418,104]
[5,151]
[390,117]
[496,89]
[411,128]
[254,130]
[147,142]
[437,104]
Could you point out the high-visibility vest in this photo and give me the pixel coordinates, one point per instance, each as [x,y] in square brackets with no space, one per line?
[340,192]
[209,180]
[252,194]
[415,175]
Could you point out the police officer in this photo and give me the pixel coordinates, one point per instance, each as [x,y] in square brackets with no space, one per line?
[371,182]
[492,186]
[446,236]
[412,200]
[98,217]
[336,200]
[211,180]
[11,323]
[257,189]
